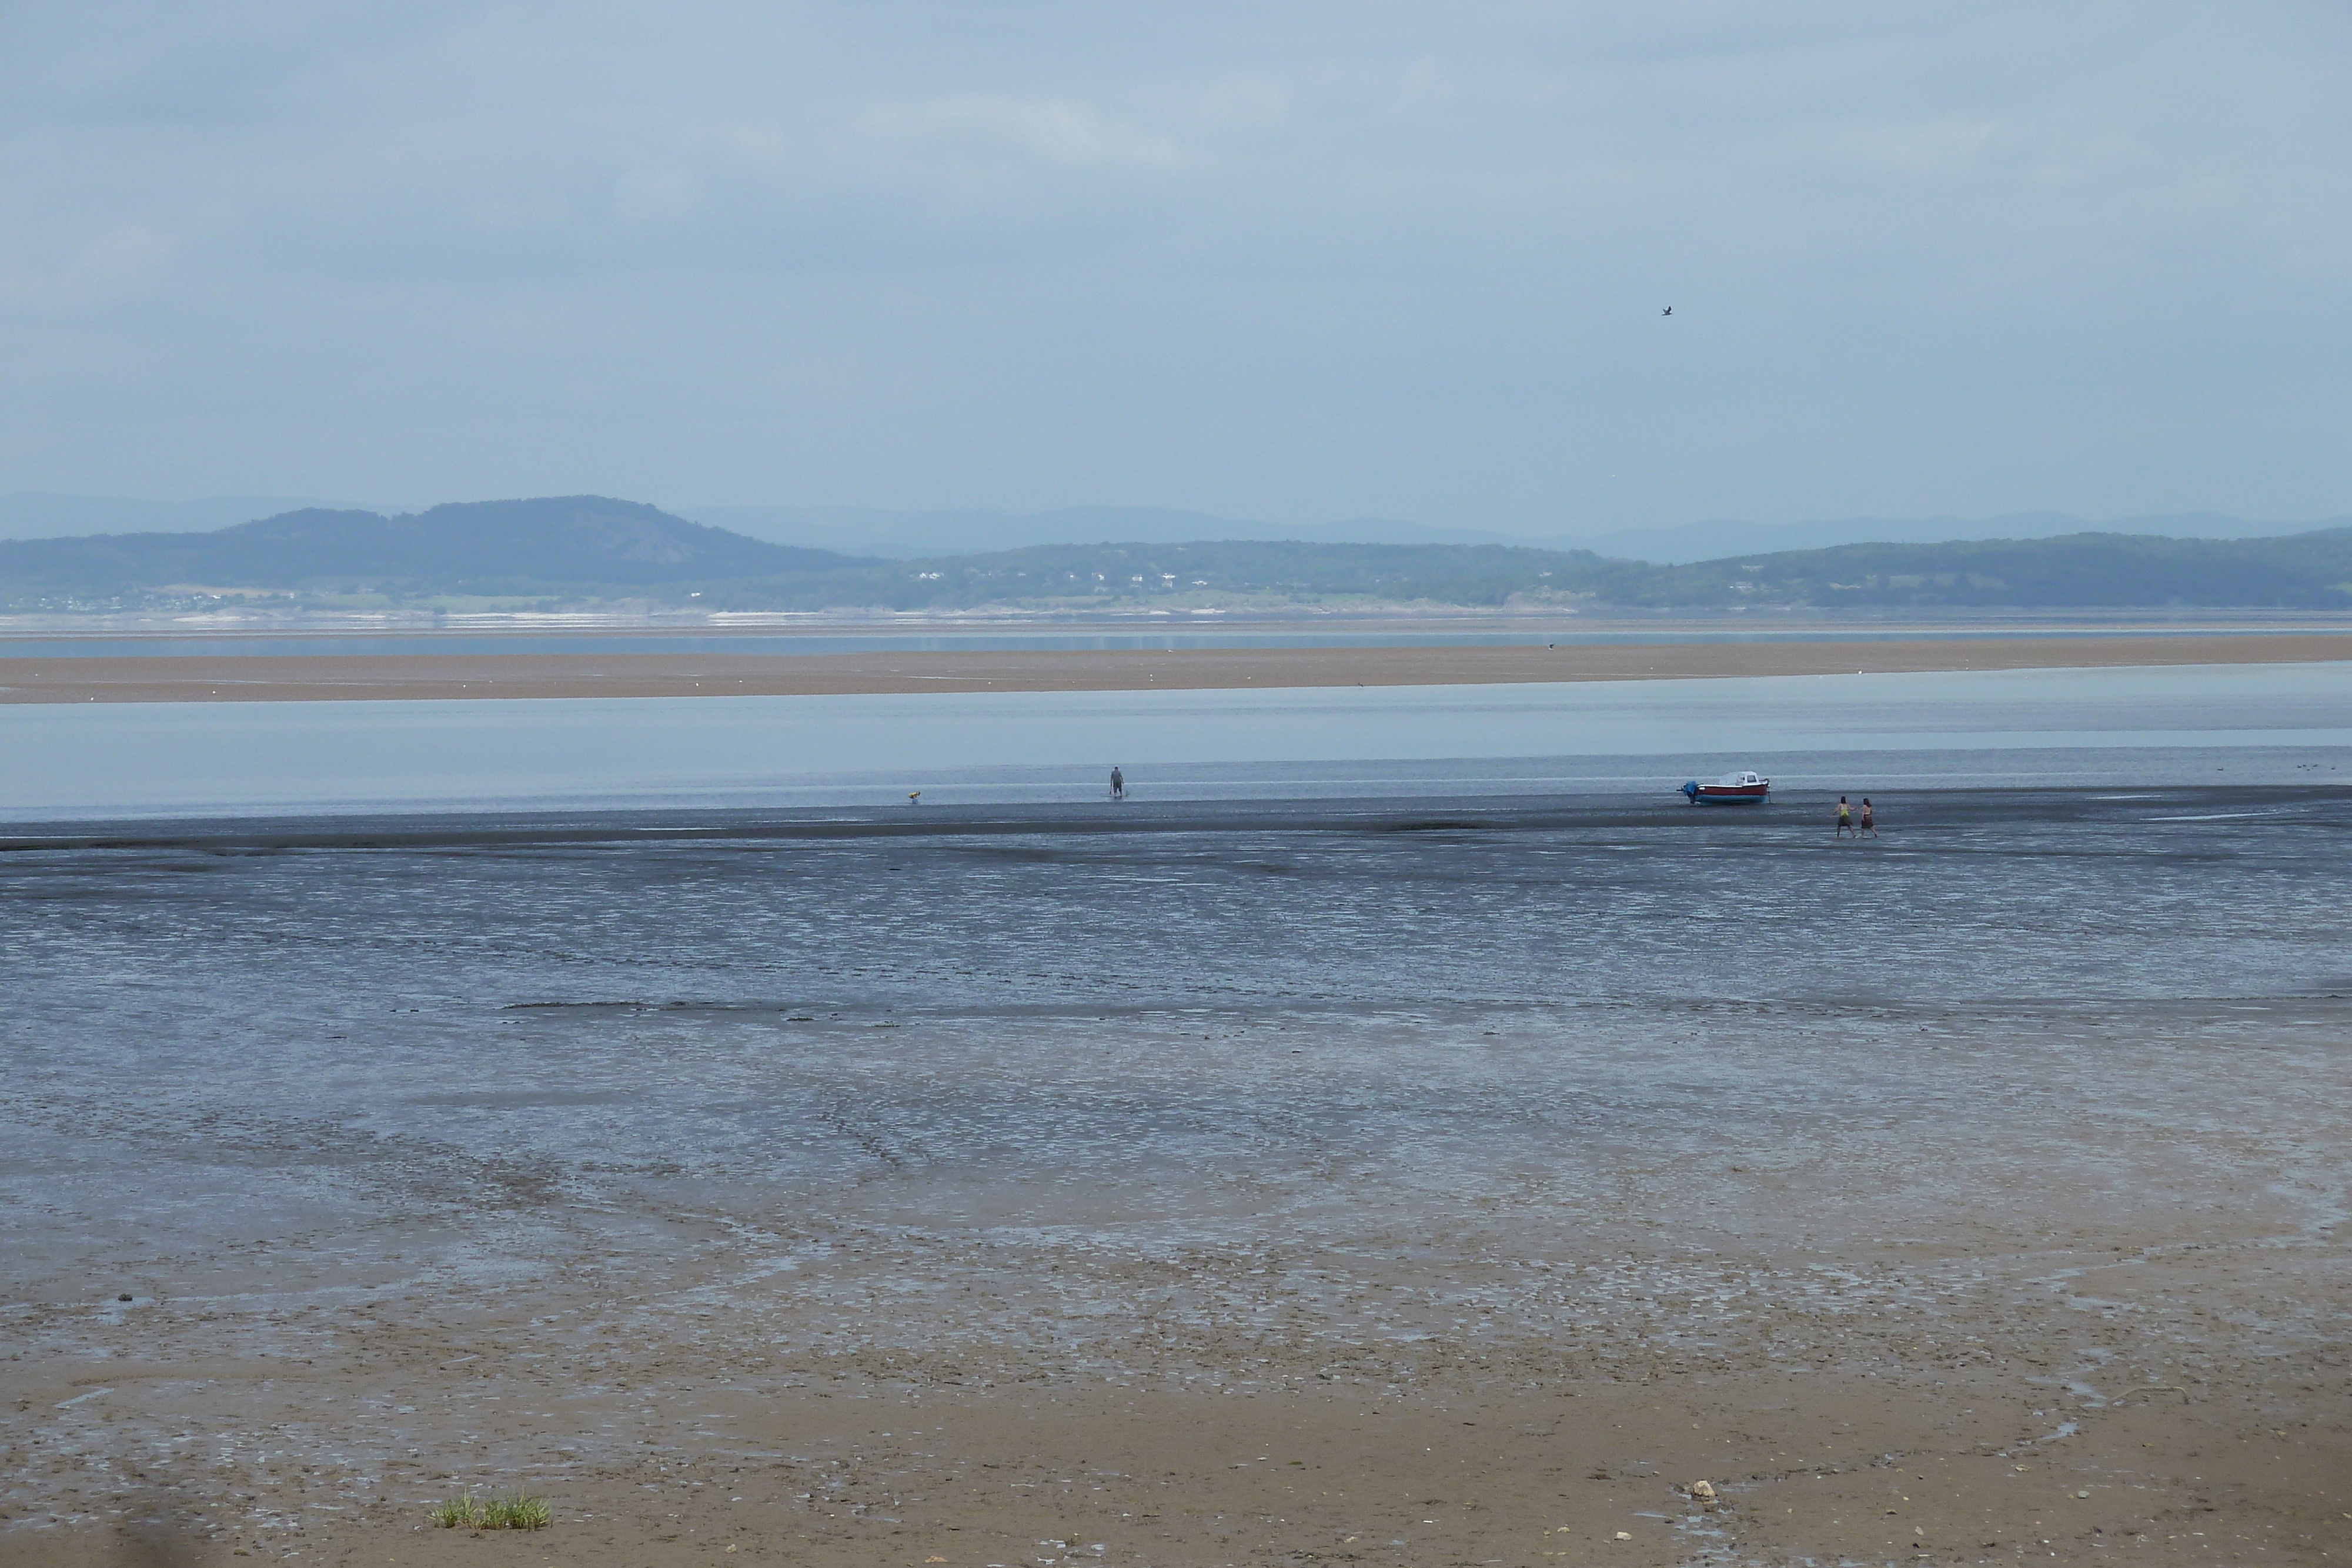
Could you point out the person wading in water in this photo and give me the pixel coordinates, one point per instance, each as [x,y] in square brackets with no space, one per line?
[1845,818]
[1869,829]
[1117,785]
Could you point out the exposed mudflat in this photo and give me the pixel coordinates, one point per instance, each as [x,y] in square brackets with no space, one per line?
[1382,1186]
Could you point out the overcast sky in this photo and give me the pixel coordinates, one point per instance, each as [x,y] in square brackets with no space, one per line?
[1292,261]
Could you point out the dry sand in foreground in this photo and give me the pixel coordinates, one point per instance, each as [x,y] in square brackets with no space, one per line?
[205,678]
[866,1467]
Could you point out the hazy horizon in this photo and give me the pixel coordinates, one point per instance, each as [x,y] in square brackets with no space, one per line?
[900,534]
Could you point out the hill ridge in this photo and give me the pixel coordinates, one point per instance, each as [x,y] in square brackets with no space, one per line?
[584,549]
[515,547]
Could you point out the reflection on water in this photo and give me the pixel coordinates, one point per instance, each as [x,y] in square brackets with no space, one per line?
[2286,723]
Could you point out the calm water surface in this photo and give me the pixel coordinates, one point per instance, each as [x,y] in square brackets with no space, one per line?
[2280,723]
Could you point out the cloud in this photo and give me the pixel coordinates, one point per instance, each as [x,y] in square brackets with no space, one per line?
[1306,260]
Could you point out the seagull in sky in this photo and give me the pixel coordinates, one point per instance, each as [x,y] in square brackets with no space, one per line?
[1667,311]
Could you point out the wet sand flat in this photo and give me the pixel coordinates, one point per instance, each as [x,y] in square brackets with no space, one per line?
[1414,1192]
[423,675]
[1824,1469]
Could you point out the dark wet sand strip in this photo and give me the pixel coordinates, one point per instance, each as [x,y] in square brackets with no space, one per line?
[417,676]
[1372,817]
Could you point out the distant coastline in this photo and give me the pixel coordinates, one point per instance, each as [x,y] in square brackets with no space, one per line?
[593,554]
[425,676]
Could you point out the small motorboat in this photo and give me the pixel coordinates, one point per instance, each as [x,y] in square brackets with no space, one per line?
[1731,790]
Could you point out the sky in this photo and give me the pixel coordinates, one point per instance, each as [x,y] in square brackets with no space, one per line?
[1300,262]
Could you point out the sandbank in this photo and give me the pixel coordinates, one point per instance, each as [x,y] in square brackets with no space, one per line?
[200,677]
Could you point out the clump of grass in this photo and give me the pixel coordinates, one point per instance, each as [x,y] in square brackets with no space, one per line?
[516,1510]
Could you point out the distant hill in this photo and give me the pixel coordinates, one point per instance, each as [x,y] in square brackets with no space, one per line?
[2083,571]
[1685,543]
[2104,571]
[902,535]
[972,530]
[583,550]
[493,548]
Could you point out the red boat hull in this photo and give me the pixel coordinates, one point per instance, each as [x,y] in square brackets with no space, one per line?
[1749,792]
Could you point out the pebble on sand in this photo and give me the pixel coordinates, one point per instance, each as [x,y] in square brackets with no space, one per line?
[1703,1491]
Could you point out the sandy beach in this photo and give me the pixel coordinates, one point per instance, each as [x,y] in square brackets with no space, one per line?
[850,1463]
[321,677]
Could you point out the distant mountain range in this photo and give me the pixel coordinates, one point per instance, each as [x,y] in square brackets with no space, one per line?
[1687,542]
[910,536]
[974,530]
[586,549]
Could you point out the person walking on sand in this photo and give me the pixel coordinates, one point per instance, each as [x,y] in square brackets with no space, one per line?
[1845,818]
[1118,784]
[1869,829]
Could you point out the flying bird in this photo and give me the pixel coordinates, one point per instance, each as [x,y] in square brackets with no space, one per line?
[1667,311]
